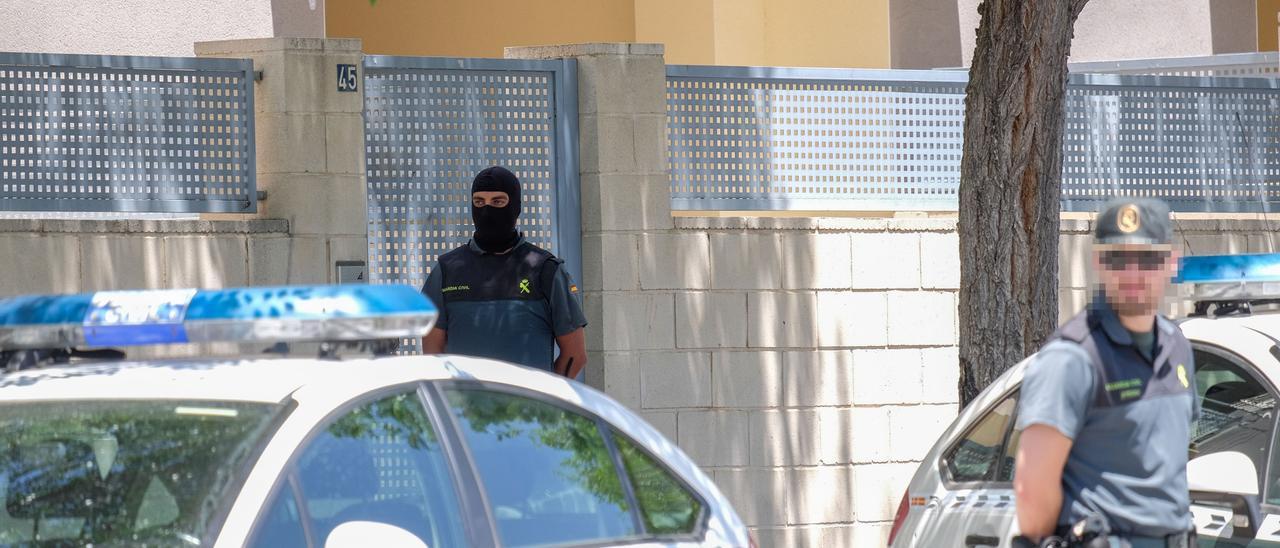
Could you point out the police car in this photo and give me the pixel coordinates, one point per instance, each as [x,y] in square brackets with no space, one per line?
[962,494]
[352,446]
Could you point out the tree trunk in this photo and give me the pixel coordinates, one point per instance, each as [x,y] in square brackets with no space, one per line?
[1010,184]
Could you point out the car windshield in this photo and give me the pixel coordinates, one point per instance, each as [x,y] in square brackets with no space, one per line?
[122,473]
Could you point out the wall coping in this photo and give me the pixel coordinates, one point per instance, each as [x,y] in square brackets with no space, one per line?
[909,224]
[114,226]
[561,51]
[284,43]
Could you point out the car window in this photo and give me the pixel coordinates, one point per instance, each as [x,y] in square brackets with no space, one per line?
[979,454]
[283,525]
[1236,411]
[666,506]
[381,462]
[122,472]
[547,473]
[1010,455]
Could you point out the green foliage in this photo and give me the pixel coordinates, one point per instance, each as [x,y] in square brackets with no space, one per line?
[589,463]
[397,417]
[665,505]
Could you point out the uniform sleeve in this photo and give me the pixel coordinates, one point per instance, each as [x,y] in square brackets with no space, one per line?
[433,290]
[1057,389]
[566,304]
[1195,389]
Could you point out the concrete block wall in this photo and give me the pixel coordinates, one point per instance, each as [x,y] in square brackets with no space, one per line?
[811,369]
[71,256]
[310,145]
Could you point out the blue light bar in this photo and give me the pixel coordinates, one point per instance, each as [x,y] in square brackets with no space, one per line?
[251,314]
[1229,269]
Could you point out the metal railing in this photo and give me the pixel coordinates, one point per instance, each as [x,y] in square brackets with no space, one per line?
[744,138]
[126,134]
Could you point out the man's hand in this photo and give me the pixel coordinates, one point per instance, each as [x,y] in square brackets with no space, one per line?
[435,340]
[1037,479]
[573,353]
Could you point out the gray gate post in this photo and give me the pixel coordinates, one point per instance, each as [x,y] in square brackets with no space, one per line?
[622,120]
[310,152]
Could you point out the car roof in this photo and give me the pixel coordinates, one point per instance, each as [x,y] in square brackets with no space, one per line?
[1266,322]
[268,380]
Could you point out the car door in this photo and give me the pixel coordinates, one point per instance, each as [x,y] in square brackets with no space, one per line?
[1237,415]
[975,508]
[380,459]
[551,473]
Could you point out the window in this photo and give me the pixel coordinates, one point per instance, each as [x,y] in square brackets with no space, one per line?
[665,505]
[982,455]
[380,462]
[1236,411]
[1005,473]
[565,488]
[122,472]
[283,525]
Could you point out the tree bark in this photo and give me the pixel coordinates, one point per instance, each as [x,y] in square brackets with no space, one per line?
[1010,185]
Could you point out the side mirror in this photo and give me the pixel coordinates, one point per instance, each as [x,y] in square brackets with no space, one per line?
[1225,486]
[358,534]
[1223,472]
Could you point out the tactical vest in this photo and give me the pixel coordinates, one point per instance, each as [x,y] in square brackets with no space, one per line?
[1109,360]
[525,273]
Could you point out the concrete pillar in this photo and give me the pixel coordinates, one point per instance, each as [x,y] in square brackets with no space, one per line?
[310,150]
[625,193]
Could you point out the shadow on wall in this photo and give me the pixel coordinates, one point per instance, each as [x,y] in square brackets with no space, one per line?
[745,333]
[73,263]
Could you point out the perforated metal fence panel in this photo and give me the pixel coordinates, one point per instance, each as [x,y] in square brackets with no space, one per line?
[743,139]
[815,139]
[120,134]
[1201,144]
[1265,64]
[432,123]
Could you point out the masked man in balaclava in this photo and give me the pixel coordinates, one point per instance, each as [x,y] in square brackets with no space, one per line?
[502,297]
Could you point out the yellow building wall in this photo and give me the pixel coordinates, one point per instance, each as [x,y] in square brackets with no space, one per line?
[684,26]
[1267,12]
[813,33]
[477,28]
[740,38]
[827,33]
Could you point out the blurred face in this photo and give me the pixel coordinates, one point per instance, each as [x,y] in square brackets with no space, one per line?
[1135,277]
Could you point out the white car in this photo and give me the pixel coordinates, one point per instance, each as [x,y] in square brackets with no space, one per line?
[962,494]
[333,451]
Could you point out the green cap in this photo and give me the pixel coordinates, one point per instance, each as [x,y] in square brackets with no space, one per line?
[1143,221]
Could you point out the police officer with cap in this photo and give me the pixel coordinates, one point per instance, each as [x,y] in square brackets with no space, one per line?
[502,297]
[1106,407]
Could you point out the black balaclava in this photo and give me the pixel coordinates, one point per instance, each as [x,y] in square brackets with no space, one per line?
[496,226]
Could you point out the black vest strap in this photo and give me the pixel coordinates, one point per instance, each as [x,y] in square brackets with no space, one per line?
[1086,330]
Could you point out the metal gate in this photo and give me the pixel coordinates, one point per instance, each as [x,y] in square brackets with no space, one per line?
[752,138]
[99,133]
[432,123]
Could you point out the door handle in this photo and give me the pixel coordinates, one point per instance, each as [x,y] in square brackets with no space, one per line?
[973,541]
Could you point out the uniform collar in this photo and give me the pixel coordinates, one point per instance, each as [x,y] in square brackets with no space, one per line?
[471,244]
[1103,314]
